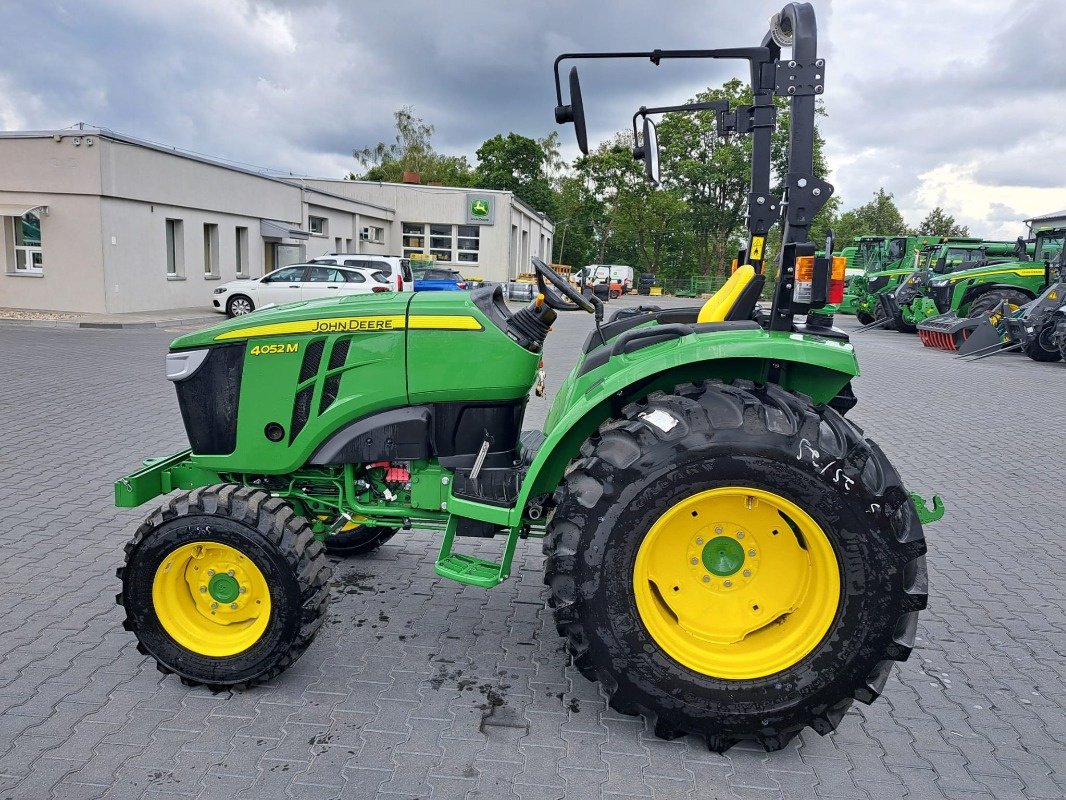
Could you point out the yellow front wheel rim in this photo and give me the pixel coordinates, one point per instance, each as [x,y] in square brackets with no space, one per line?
[211,598]
[737,583]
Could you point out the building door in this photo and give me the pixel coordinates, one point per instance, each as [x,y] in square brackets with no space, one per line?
[270,259]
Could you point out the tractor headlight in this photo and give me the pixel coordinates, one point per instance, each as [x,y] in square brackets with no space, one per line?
[184,363]
[220,290]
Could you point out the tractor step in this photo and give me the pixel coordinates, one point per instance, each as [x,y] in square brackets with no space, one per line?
[471,570]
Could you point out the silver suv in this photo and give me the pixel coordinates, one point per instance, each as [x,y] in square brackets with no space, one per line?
[398,269]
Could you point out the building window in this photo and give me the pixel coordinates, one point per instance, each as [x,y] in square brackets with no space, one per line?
[445,243]
[175,248]
[468,243]
[317,226]
[414,239]
[29,257]
[210,250]
[242,251]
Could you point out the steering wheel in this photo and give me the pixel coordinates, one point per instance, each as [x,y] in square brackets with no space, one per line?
[560,288]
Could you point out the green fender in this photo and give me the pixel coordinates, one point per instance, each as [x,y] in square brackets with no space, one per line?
[813,365]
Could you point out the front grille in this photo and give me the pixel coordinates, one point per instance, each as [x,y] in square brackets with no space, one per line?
[208,401]
[942,297]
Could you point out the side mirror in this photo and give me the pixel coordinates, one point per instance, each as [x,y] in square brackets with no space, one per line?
[575,112]
[651,151]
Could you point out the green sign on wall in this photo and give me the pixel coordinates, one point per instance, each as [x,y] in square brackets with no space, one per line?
[480,209]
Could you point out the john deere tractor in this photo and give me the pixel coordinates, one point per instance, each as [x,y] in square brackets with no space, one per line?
[887,261]
[727,554]
[911,301]
[963,298]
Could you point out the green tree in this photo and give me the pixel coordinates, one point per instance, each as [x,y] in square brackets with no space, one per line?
[412,151]
[606,179]
[879,216]
[516,164]
[939,223]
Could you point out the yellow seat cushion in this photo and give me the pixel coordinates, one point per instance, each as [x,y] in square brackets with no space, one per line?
[719,304]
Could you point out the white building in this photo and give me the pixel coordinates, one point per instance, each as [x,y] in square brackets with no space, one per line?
[95,221]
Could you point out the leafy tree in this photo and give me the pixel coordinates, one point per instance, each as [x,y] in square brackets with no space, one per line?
[411,152]
[517,164]
[939,223]
[608,178]
[879,216]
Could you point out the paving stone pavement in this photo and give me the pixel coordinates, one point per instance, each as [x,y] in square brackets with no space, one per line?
[419,688]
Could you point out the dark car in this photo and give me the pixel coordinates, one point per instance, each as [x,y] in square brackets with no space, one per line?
[438,280]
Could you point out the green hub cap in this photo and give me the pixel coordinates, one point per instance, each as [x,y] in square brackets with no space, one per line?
[723,556]
[224,588]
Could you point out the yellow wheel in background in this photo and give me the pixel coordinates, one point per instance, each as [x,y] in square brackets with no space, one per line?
[737,583]
[211,599]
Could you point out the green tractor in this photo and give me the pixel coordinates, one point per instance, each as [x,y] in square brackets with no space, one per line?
[887,261]
[964,298]
[727,554]
[910,302]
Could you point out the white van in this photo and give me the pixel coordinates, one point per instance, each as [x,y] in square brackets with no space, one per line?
[607,273]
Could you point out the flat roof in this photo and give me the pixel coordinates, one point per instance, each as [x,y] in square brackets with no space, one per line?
[261,172]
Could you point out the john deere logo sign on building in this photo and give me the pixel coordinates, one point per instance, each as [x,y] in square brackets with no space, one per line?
[480,209]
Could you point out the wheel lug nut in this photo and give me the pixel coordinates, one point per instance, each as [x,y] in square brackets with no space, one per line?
[699,540]
[233,605]
[214,605]
[230,573]
[695,561]
[242,590]
[203,589]
[706,578]
[728,584]
[747,573]
[740,534]
[717,530]
[751,553]
[211,573]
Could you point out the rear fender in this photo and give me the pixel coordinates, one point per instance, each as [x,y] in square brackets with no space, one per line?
[819,368]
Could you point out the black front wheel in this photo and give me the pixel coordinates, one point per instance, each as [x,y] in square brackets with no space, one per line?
[357,540]
[1040,345]
[733,562]
[990,299]
[224,586]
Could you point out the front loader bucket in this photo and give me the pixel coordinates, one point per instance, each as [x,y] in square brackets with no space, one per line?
[947,331]
[984,338]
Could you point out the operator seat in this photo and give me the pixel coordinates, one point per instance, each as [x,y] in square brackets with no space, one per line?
[736,299]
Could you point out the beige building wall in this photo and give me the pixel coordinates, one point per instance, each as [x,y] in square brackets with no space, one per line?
[103,240]
[70,245]
[500,259]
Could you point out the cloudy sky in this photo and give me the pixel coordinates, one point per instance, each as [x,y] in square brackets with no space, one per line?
[959,103]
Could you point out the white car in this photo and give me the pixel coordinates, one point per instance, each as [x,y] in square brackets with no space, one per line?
[297,282]
[397,268]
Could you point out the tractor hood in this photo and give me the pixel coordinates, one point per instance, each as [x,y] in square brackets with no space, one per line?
[309,316]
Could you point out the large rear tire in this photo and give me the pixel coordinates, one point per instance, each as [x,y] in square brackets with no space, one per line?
[733,562]
[992,298]
[224,586]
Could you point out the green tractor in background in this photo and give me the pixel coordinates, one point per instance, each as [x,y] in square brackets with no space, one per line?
[887,261]
[910,302]
[727,554]
[964,298]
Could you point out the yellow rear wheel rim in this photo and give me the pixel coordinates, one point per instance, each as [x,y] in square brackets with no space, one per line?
[211,598]
[737,583]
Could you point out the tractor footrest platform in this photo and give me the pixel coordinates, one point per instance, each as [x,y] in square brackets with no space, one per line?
[947,331]
[470,570]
